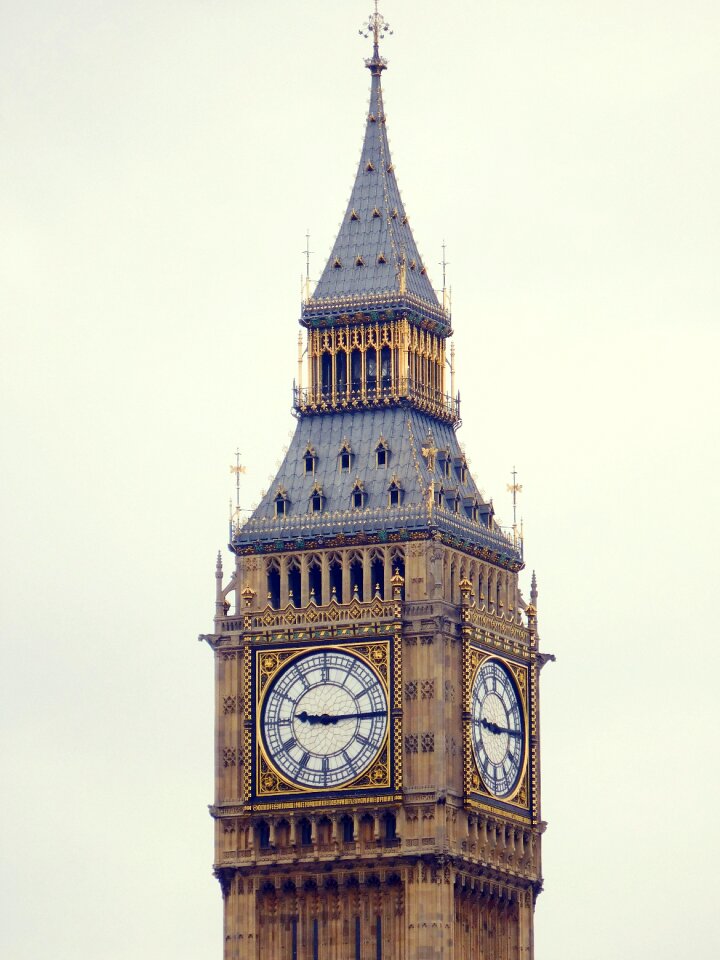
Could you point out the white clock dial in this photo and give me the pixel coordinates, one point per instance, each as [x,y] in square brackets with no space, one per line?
[498,728]
[324,719]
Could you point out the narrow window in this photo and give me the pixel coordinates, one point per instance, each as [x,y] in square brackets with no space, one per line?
[347,830]
[309,463]
[357,499]
[385,367]
[280,506]
[263,835]
[336,587]
[305,833]
[326,373]
[341,372]
[316,503]
[273,587]
[315,583]
[377,575]
[345,462]
[294,586]
[356,370]
[371,369]
[356,578]
[381,457]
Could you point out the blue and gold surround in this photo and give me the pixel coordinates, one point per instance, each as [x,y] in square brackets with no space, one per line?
[518,801]
[381,778]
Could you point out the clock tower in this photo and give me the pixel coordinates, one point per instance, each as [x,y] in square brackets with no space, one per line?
[377,788]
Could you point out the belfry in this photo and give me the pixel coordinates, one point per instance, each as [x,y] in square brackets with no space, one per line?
[377,790]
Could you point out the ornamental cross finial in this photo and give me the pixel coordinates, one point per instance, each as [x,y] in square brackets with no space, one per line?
[378,26]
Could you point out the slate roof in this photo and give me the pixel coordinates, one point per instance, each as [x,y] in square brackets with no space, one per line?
[405,430]
[375,235]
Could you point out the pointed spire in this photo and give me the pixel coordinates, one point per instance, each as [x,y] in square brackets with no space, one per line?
[374,253]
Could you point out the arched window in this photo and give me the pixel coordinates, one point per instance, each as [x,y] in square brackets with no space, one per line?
[282,834]
[336,579]
[377,575]
[316,500]
[345,456]
[293,575]
[326,373]
[348,829]
[281,502]
[324,829]
[262,834]
[356,370]
[367,829]
[358,495]
[341,371]
[382,453]
[385,377]
[305,832]
[371,369]
[310,457]
[395,493]
[273,584]
[356,577]
[315,581]
[390,825]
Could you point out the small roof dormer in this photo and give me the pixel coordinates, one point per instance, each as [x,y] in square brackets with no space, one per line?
[345,456]
[316,500]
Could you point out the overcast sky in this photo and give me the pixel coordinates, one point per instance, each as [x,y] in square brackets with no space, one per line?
[159,165]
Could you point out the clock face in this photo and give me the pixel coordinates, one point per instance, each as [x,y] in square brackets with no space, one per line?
[498,728]
[324,719]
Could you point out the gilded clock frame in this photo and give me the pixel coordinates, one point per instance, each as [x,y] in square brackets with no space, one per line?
[383,776]
[476,792]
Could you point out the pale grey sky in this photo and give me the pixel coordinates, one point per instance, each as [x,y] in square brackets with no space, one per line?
[159,164]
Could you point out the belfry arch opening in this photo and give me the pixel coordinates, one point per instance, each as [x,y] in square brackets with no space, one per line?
[377,576]
[294,583]
[356,578]
[326,373]
[336,579]
[273,584]
[315,581]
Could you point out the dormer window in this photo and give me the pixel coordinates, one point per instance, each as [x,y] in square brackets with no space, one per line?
[395,493]
[461,469]
[317,499]
[281,502]
[382,453]
[310,457]
[358,495]
[345,456]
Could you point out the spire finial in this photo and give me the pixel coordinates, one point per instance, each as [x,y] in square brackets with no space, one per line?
[514,488]
[378,26]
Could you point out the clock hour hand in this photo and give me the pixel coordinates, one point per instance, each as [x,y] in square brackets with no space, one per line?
[326,718]
[494,728]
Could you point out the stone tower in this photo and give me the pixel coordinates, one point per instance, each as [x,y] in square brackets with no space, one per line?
[377,792]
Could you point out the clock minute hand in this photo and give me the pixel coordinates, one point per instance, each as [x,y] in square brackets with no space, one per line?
[325,719]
